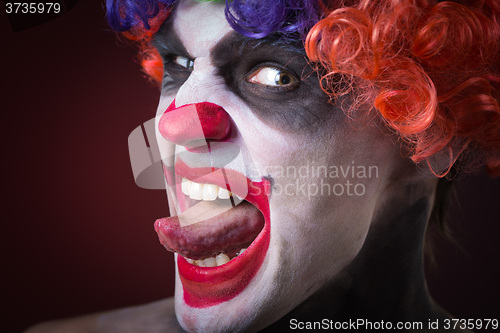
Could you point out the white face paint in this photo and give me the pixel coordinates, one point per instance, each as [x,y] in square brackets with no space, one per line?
[327,182]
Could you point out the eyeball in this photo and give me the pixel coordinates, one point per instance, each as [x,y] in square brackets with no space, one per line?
[272,76]
[183,61]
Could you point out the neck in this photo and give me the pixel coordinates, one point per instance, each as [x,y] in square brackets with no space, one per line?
[386,280]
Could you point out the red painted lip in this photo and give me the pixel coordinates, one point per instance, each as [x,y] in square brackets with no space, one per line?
[208,286]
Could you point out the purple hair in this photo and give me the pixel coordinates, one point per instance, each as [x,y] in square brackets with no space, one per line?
[254,19]
[124,15]
[258,19]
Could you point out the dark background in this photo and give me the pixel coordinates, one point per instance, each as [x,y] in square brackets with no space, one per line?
[78,233]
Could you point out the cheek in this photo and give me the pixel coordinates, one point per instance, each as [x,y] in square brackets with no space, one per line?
[310,251]
[324,195]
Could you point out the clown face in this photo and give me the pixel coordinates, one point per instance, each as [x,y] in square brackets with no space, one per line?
[272,189]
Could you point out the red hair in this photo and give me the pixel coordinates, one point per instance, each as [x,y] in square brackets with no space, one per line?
[430,69]
[149,57]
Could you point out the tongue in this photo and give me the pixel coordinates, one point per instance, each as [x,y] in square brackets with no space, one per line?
[232,230]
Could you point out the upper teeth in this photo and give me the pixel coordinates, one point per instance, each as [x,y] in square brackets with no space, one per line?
[207,192]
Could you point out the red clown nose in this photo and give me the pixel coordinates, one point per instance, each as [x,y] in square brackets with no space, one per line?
[192,124]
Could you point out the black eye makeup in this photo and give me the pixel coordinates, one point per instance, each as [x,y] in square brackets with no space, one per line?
[275,80]
[177,68]
[177,63]
[273,77]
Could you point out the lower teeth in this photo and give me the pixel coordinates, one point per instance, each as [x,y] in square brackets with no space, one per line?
[218,260]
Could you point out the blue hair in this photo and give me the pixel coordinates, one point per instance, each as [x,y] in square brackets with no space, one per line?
[254,18]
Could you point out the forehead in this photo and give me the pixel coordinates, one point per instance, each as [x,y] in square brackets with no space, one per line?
[199,25]
[224,59]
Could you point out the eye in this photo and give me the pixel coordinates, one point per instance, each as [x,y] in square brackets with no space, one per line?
[182,61]
[274,77]
[176,68]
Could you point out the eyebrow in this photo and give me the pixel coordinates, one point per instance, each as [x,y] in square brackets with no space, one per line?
[167,41]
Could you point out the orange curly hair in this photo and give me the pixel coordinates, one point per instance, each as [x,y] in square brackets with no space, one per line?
[430,69]
[148,57]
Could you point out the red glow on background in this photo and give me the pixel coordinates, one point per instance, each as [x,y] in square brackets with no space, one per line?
[78,233]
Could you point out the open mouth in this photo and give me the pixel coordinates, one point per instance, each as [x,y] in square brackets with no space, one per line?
[221,235]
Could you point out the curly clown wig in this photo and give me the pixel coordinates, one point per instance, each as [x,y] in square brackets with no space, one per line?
[430,69]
